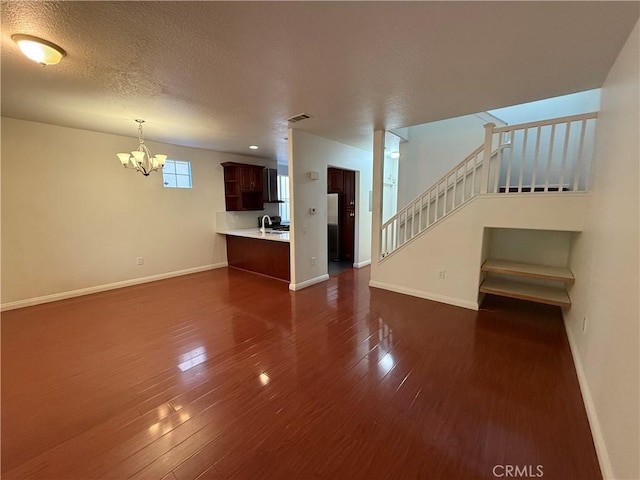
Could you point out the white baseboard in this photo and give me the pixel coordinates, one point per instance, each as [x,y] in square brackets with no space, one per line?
[362,264]
[596,431]
[103,288]
[427,295]
[308,283]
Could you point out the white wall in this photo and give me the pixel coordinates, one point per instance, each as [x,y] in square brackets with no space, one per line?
[73,218]
[563,106]
[456,244]
[432,149]
[390,193]
[307,153]
[283,169]
[605,262]
[538,247]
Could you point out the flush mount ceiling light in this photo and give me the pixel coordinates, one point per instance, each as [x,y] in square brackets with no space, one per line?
[253,147]
[39,50]
[141,159]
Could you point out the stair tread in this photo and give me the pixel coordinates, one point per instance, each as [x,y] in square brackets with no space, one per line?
[526,291]
[561,274]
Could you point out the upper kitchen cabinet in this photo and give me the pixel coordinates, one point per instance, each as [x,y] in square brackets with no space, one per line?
[250,178]
[349,187]
[335,180]
[243,186]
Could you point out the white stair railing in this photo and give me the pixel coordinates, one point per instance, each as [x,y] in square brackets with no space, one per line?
[547,156]
[455,188]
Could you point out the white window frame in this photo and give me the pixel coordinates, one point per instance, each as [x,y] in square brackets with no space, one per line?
[284,208]
[174,163]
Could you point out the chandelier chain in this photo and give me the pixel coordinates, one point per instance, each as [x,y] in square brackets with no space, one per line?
[140,134]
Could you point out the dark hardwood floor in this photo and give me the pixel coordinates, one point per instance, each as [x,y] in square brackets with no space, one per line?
[226,374]
[337,267]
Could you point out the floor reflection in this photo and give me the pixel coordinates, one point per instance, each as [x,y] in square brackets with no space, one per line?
[385,335]
[192,358]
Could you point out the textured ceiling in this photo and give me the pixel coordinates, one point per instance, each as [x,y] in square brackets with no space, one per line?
[225,75]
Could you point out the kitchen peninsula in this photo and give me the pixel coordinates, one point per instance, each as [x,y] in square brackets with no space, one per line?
[266,254]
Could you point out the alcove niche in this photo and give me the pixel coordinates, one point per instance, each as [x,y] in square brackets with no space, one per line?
[527,264]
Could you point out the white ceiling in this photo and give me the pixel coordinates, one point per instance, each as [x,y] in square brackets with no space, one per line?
[225,75]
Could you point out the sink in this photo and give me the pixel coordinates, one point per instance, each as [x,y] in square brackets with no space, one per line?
[272,233]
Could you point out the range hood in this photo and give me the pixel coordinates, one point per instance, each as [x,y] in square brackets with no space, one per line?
[270,185]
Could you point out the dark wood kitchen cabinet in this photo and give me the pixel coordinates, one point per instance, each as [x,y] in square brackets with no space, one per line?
[343,182]
[349,188]
[251,178]
[347,234]
[348,229]
[335,180]
[242,187]
[267,257]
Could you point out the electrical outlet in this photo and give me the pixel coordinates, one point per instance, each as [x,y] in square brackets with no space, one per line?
[140,260]
[584,324]
[313,260]
[441,274]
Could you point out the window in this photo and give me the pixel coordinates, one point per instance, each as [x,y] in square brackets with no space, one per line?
[283,193]
[176,174]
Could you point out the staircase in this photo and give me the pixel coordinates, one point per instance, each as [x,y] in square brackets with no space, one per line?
[538,158]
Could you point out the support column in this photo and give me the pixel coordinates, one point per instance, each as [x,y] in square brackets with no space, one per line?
[376,210]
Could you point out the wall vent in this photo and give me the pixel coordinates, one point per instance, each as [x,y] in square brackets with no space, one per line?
[299,117]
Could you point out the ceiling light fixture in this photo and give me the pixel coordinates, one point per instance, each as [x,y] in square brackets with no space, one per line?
[141,159]
[39,50]
[253,147]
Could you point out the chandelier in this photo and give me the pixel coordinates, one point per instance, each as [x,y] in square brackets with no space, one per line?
[141,159]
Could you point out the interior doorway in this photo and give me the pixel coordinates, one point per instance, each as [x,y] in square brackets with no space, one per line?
[341,218]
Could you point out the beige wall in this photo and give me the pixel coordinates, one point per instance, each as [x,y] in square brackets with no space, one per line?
[307,153]
[73,218]
[456,244]
[605,262]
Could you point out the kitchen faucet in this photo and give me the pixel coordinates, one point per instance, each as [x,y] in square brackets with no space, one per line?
[263,228]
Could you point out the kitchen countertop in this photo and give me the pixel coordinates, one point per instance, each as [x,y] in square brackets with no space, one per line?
[273,235]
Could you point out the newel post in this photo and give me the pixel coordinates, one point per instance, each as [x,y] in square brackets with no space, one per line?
[486,156]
